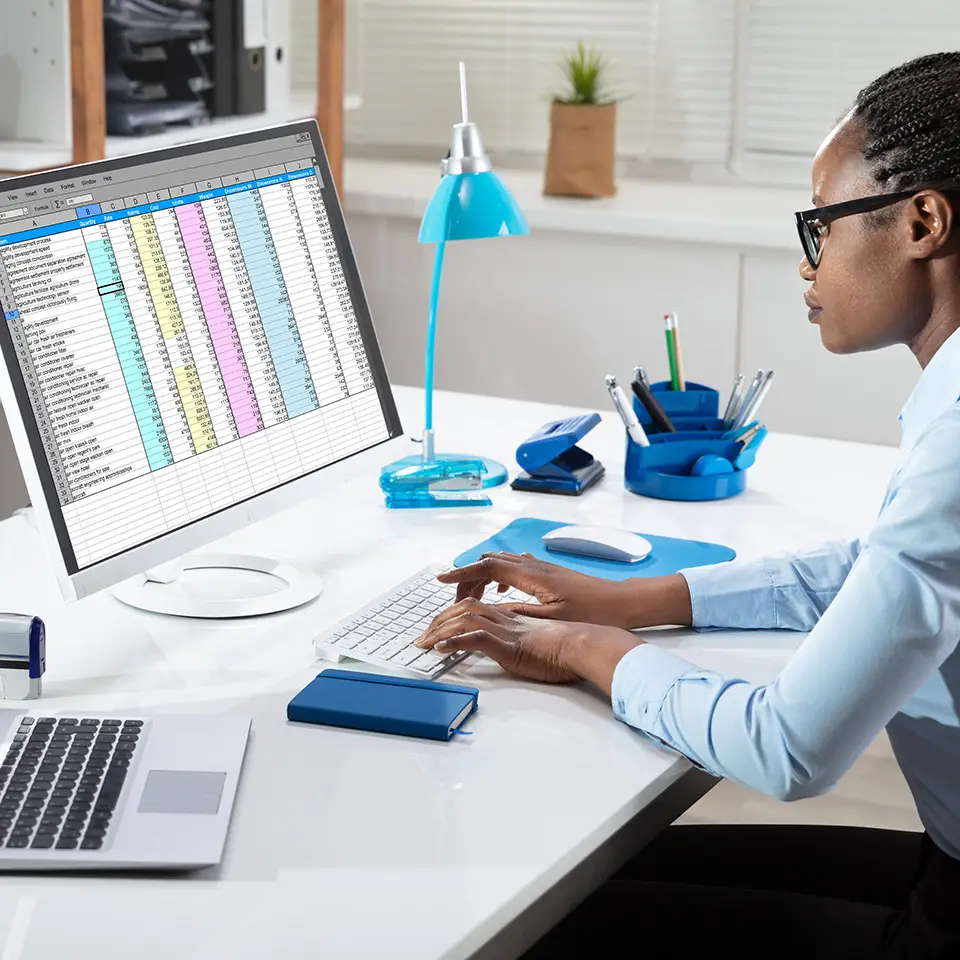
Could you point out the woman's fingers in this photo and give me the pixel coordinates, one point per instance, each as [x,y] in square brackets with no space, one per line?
[481,641]
[461,617]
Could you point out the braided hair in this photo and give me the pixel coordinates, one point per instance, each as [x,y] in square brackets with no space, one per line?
[910,119]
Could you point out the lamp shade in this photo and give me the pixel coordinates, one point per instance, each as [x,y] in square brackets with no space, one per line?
[471,206]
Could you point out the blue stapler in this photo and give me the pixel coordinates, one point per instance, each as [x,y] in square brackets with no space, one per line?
[552,461]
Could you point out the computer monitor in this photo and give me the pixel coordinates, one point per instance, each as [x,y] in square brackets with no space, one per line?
[187,349]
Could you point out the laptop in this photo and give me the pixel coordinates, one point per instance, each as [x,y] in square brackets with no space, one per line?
[118,790]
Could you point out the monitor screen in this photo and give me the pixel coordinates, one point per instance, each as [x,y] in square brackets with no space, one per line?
[184,330]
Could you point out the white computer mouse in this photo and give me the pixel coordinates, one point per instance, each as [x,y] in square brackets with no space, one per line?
[603,542]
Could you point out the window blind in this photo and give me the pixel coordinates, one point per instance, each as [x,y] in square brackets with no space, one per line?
[805,63]
[671,60]
[748,85]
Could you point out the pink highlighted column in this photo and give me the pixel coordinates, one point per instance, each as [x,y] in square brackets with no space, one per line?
[216,308]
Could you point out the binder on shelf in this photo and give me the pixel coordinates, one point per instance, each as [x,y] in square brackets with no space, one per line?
[221,99]
[250,89]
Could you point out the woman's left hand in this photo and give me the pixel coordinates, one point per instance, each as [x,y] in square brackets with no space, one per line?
[550,651]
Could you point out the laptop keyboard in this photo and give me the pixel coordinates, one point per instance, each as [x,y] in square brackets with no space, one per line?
[384,632]
[61,779]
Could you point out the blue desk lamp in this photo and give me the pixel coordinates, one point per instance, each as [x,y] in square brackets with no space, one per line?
[470,203]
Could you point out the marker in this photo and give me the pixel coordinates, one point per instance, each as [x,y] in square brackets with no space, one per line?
[629,418]
[759,395]
[734,401]
[657,414]
[673,351]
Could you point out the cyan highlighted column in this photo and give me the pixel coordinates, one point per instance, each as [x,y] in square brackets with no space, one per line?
[127,344]
[273,303]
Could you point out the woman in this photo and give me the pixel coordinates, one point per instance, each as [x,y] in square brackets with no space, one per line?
[882,257]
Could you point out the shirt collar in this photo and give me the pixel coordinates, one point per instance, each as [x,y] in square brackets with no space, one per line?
[936,391]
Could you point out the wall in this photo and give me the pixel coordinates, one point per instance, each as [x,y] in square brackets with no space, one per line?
[13,494]
[545,317]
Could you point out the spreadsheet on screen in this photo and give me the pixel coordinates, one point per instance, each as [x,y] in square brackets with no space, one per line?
[185,334]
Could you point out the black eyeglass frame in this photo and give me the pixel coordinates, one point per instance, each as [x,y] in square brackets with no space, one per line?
[835,211]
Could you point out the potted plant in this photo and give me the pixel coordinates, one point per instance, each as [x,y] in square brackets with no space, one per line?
[582,153]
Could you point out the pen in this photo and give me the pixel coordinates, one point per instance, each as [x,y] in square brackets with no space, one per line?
[629,418]
[673,351]
[657,414]
[640,375]
[748,434]
[734,400]
[750,412]
[747,399]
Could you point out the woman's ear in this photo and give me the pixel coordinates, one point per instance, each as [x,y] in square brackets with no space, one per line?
[929,221]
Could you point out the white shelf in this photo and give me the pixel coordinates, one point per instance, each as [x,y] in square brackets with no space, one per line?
[300,107]
[17,157]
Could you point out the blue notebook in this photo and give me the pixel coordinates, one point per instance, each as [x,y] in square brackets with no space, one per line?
[371,701]
[667,554]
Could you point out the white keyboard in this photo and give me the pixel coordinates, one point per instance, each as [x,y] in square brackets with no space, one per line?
[384,632]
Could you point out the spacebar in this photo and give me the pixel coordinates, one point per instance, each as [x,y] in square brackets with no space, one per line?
[110,791]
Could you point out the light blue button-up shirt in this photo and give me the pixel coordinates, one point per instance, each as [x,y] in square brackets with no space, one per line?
[884,622]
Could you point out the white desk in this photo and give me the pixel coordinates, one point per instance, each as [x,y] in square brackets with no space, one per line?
[352,845]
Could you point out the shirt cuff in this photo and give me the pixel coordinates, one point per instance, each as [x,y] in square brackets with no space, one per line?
[641,681]
[737,595]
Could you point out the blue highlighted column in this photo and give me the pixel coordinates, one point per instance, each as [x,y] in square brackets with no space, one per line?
[127,344]
[273,303]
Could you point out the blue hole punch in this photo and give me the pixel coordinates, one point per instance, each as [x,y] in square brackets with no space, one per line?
[552,461]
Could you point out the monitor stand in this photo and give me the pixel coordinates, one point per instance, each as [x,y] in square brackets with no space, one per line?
[220,587]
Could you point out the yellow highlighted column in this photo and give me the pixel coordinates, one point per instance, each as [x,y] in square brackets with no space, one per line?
[174,333]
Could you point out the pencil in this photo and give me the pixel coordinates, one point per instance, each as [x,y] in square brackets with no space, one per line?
[673,351]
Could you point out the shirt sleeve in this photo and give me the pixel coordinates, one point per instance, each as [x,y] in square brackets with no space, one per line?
[776,593]
[888,629]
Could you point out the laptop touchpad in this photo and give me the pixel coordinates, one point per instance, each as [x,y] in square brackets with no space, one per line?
[182,791]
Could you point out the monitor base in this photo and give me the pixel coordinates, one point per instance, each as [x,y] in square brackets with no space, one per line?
[220,594]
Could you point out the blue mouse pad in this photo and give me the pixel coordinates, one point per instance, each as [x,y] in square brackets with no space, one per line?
[668,555]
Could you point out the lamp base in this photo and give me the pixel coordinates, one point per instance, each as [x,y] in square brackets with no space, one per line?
[444,480]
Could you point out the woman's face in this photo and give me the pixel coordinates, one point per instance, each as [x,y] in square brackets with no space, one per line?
[867,292]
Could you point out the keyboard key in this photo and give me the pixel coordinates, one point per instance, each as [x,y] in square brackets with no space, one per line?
[128,738]
[42,843]
[106,738]
[95,832]
[133,723]
[27,721]
[16,843]
[407,656]
[68,843]
[370,645]
[89,722]
[427,662]
[67,722]
[60,793]
[47,830]
[91,843]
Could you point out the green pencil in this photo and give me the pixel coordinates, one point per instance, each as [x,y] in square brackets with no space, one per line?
[673,351]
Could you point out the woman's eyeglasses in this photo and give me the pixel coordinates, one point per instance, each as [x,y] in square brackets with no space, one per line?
[812,224]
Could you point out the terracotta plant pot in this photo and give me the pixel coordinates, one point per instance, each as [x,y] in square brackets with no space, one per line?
[581,158]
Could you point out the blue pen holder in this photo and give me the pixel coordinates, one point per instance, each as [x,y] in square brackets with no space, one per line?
[696,408]
[662,470]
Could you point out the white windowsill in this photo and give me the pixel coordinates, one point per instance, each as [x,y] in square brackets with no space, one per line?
[747,217]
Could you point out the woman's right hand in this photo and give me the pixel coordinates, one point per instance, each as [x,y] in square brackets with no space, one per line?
[562,594]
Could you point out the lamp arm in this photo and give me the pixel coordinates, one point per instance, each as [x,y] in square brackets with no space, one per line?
[432,334]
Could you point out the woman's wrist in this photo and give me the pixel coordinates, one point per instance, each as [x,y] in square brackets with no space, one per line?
[592,653]
[657,601]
